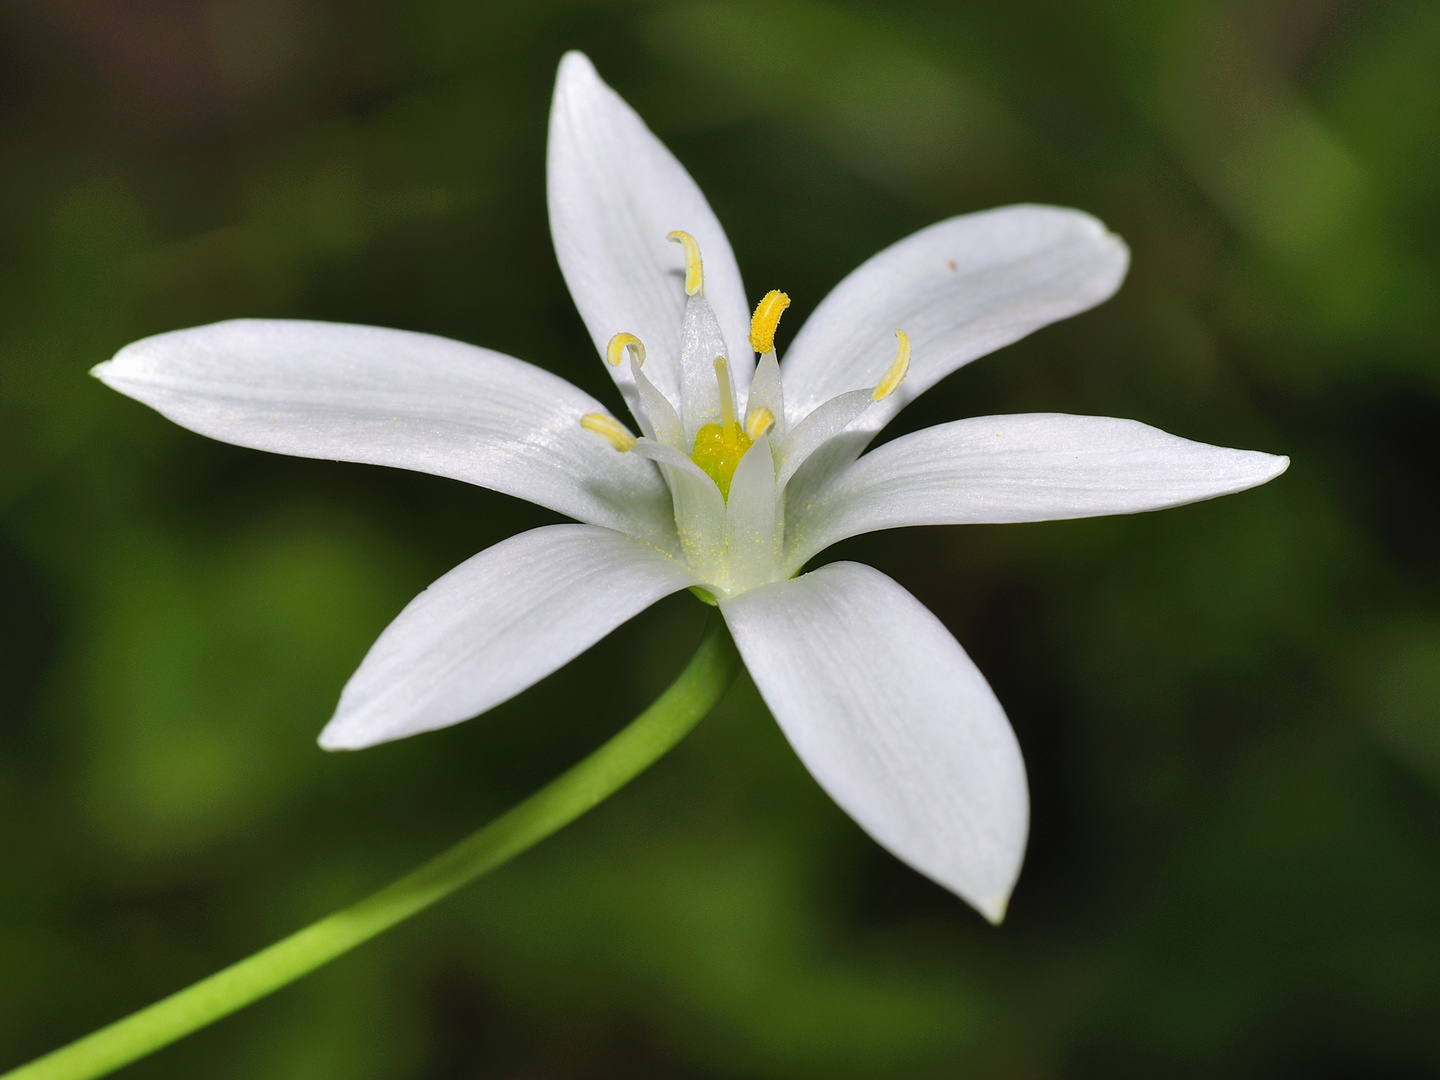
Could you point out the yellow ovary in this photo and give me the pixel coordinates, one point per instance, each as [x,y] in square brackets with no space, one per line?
[719,447]
[718,450]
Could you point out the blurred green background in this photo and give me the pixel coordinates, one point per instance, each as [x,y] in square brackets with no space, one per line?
[1231,711]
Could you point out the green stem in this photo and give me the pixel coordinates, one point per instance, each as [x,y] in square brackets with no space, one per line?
[687,700]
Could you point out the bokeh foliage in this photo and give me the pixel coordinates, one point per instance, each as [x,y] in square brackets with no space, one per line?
[1231,711]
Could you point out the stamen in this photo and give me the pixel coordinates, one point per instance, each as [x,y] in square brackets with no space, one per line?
[610,429]
[615,351]
[766,319]
[896,375]
[694,268]
[759,423]
[727,399]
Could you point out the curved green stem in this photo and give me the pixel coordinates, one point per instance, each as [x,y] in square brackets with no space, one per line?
[687,700]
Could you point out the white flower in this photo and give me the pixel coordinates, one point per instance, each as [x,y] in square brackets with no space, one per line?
[879,701]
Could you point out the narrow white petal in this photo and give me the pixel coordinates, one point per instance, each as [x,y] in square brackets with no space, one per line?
[895,722]
[496,624]
[818,427]
[392,397]
[657,416]
[671,458]
[615,192]
[960,289]
[767,393]
[700,343]
[1030,467]
[753,519]
[699,509]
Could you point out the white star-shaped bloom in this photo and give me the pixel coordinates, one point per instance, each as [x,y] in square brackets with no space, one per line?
[741,473]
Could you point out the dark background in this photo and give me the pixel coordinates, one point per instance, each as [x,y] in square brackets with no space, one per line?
[1229,710]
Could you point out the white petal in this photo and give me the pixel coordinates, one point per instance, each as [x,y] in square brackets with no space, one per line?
[699,509]
[895,722]
[767,393]
[960,289]
[752,515]
[700,343]
[615,192]
[819,426]
[496,624]
[1030,467]
[391,397]
[658,418]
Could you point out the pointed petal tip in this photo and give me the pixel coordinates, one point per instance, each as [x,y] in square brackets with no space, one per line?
[345,731]
[1118,252]
[994,908]
[125,372]
[1087,221]
[334,737]
[1261,468]
[573,65]
[1111,245]
[1122,251]
[576,80]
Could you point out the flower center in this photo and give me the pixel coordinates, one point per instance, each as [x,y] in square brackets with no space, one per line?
[719,447]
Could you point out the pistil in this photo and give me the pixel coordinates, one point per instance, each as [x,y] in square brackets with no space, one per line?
[719,447]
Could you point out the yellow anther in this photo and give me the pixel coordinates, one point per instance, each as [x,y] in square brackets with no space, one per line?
[615,351]
[694,268]
[896,375]
[766,319]
[759,423]
[609,429]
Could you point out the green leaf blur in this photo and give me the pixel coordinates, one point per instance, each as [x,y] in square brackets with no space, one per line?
[1230,712]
